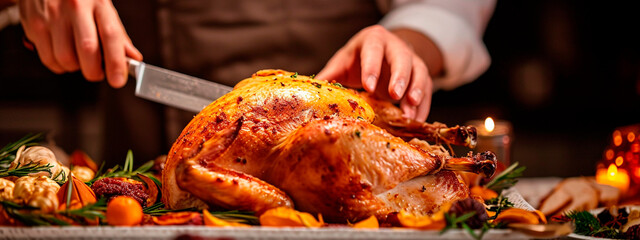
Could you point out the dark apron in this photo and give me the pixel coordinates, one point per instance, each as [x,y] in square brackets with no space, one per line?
[227,41]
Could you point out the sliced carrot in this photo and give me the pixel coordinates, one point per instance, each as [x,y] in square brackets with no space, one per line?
[176,218]
[517,215]
[288,217]
[371,222]
[541,216]
[435,221]
[212,221]
[483,192]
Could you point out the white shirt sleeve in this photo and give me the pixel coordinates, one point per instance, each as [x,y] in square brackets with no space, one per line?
[455,26]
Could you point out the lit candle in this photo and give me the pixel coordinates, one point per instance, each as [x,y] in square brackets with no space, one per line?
[620,164]
[614,176]
[495,136]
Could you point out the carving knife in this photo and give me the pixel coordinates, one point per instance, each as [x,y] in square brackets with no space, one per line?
[174,89]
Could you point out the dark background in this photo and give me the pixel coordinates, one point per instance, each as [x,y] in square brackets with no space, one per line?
[564,73]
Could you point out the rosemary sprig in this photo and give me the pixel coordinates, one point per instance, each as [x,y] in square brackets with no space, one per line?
[29,217]
[8,152]
[498,205]
[24,215]
[589,225]
[127,171]
[233,216]
[158,209]
[454,222]
[247,217]
[506,178]
[31,167]
[585,222]
[89,211]
[21,171]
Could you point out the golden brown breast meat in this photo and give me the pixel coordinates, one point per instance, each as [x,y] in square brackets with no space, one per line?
[282,139]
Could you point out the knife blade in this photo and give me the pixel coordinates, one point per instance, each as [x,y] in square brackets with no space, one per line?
[174,89]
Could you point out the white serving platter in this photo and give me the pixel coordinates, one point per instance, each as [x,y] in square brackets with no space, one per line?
[267,233]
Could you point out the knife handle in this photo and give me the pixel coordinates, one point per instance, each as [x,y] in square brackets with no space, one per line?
[134,66]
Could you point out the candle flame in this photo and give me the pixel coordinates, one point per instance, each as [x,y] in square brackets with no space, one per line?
[489,124]
[614,176]
[612,171]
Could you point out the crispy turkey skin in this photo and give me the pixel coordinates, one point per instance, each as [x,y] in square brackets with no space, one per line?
[282,139]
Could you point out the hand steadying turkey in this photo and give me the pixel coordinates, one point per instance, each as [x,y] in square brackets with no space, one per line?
[282,139]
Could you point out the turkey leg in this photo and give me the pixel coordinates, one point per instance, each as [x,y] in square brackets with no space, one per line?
[218,185]
[230,189]
[389,117]
[482,163]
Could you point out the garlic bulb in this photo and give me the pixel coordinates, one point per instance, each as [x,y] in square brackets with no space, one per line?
[41,156]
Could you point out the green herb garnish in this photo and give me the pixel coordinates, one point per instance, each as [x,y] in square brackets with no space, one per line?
[158,209]
[8,152]
[295,75]
[29,168]
[247,217]
[233,216]
[126,172]
[29,217]
[585,222]
[498,205]
[589,225]
[506,178]
[455,222]
[338,85]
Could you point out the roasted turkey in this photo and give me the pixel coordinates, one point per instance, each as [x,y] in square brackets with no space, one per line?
[283,139]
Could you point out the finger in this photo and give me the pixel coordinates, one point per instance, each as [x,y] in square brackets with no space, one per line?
[408,110]
[45,52]
[420,82]
[37,33]
[400,59]
[61,37]
[423,109]
[113,45]
[87,45]
[63,45]
[337,67]
[424,105]
[371,55]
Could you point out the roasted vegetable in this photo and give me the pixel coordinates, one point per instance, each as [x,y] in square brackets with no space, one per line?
[39,192]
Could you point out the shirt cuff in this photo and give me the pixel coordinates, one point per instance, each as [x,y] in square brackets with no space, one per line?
[465,55]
